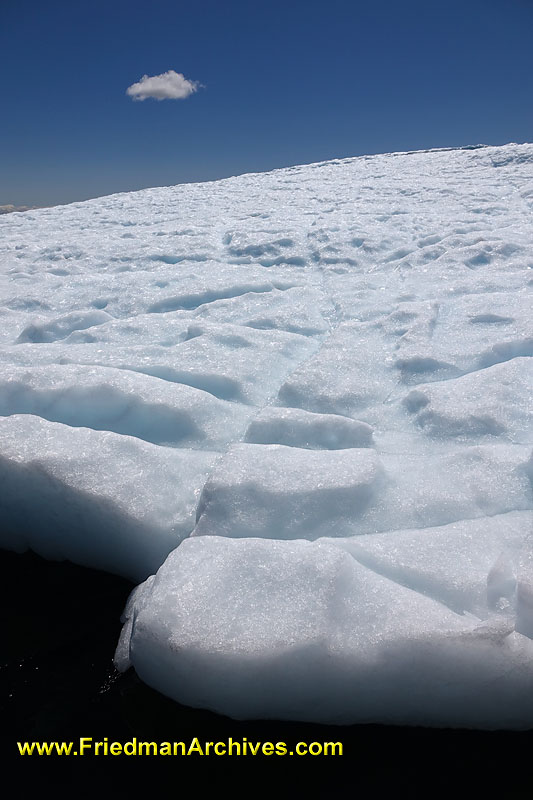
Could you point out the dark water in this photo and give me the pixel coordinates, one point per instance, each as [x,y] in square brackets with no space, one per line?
[59,625]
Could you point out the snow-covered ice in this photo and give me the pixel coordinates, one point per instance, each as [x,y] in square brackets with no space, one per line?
[297,405]
[258,628]
[297,493]
[95,497]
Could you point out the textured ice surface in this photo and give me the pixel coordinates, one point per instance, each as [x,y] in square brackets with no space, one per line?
[298,428]
[304,630]
[96,498]
[278,492]
[313,388]
[470,566]
[125,402]
[496,401]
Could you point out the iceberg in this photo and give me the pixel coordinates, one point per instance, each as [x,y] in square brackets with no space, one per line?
[296,409]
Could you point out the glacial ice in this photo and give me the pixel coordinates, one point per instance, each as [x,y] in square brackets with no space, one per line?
[97,498]
[296,493]
[298,428]
[297,406]
[301,630]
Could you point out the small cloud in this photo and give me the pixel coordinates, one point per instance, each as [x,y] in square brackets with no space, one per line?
[167,86]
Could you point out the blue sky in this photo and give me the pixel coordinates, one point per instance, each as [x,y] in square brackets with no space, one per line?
[283,83]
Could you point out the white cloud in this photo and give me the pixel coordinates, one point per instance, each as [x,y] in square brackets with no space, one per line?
[167,86]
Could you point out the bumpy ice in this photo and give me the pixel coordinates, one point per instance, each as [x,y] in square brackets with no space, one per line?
[296,409]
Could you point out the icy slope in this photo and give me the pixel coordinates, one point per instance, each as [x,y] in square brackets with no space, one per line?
[313,389]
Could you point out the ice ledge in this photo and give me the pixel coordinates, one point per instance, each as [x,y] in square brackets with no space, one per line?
[303,631]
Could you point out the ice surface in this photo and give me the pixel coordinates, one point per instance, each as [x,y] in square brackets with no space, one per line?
[63,326]
[219,359]
[424,490]
[496,401]
[297,428]
[122,401]
[313,389]
[95,497]
[301,630]
[279,492]
[347,376]
[469,566]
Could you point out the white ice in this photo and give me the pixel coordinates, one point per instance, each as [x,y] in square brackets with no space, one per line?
[299,630]
[97,498]
[312,390]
